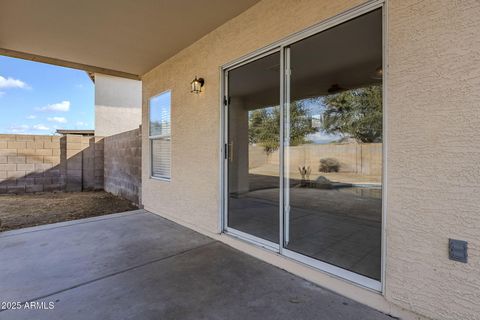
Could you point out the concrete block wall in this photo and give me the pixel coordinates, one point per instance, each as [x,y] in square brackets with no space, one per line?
[98,163]
[30,163]
[37,163]
[82,157]
[360,158]
[122,164]
[74,163]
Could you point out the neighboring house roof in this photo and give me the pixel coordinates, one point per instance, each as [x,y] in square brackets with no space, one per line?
[77,132]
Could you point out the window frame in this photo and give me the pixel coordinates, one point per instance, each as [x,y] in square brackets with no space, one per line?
[164,137]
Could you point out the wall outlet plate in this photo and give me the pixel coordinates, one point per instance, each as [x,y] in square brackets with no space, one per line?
[457,250]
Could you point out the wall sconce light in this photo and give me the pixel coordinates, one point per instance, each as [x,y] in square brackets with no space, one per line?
[197,85]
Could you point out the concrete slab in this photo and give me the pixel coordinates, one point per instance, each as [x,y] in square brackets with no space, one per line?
[140,266]
[50,258]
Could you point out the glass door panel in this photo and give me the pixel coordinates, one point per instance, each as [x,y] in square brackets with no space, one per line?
[333,157]
[253,148]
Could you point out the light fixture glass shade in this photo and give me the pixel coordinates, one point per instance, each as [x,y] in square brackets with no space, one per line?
[378,74]
[197,85]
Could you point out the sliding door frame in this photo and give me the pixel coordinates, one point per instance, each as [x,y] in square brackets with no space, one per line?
[282,46]
[276,247]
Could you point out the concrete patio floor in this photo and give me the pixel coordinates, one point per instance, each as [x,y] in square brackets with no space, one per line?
[136,265]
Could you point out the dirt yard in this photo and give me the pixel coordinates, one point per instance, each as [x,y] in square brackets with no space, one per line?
[27,210]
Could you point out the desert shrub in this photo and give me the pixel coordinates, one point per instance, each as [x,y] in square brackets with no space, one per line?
[304,172]
[329,165]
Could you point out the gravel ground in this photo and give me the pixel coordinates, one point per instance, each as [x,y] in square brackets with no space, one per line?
[27,210]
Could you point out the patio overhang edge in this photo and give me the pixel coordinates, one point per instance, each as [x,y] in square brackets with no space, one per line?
[68,64]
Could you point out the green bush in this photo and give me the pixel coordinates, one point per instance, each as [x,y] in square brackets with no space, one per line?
[329,165]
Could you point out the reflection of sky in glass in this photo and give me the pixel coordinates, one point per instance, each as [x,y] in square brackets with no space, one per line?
[160,114]
[316,107]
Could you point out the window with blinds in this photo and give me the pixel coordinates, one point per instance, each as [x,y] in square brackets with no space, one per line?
[160,131]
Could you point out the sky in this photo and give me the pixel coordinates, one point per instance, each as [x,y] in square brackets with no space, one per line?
[38,98]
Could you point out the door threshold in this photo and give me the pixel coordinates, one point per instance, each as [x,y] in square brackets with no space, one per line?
[250,239]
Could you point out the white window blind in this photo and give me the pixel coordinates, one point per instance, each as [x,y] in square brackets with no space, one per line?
[160,135]
[161,155]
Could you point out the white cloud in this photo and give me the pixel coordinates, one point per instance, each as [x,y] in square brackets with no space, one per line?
[18,129]
[41,127]
[12,83]
[7,83]
[63,106]
[31,117]
[81,124]
[57,119]
[322,138]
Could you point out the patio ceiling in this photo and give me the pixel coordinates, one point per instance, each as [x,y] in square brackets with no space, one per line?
[119,37]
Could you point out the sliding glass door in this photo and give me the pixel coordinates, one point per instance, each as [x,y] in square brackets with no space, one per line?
[333,146]
[252,147]
[304,163]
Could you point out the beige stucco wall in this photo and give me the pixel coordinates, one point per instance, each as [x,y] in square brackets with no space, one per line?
[433,156]
[432,145]
[118,105]
[196,118]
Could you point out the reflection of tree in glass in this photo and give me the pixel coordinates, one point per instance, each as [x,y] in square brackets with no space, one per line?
[355,113]
[155,126]
[264,126]
[161,127]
